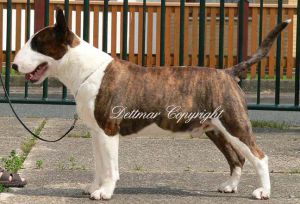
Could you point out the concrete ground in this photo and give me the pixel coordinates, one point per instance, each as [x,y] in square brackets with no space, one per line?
[155,166]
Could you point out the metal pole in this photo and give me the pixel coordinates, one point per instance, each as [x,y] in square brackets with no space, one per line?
[8,46]
[240,33]
[162,32]
[125,23]
[86,20]
[297,71]
[105,19]
[46,23]
[181,39]
[221,35]
[260,40]
[28,9]
[241,30]
[144,32]
[201,51]
[278,56]
[66,7]
[46,19]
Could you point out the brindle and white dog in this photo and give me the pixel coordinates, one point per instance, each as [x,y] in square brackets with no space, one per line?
[100,82]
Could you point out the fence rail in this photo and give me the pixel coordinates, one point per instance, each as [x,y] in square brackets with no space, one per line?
[173,37]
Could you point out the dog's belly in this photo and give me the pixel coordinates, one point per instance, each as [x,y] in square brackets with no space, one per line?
[128,127]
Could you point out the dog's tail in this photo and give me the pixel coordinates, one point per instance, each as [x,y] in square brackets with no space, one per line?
[240,70]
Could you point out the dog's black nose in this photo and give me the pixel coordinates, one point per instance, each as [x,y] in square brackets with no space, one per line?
[15,67]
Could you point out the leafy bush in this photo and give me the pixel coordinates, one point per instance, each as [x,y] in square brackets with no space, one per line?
[14,162]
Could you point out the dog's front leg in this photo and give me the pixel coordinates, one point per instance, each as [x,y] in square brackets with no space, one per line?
[107,168]
[98,164]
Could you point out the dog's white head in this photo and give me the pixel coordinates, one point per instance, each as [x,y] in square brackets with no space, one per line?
[41,55]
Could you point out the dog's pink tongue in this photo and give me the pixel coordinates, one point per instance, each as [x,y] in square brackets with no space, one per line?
[37,75]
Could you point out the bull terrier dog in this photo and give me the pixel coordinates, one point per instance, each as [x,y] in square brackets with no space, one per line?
[100,83]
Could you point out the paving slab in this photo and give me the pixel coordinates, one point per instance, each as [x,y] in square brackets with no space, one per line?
[155,167]
[12,134]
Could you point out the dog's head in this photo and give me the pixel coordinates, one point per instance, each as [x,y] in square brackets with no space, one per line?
[43,52]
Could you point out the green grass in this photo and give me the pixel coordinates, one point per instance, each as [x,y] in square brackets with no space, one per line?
[28,144]
[2,189]
[71,164]
[138,168]
[188,168]
[295,171]
[13,162]
[12,72]
[85,135]
[269,124]
[39,164]
[267,77]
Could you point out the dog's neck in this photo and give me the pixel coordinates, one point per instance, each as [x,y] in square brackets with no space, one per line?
[79,63]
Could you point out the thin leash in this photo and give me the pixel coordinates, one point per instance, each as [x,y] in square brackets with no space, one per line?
[22,123]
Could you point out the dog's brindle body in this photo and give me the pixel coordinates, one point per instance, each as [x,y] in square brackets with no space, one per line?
[153,89]
[100,82]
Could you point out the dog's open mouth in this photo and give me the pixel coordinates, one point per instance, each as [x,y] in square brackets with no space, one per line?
[37,74]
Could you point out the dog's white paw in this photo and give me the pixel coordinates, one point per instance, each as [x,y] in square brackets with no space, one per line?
[102,193]
[261,194]
[89,189]
[228,187]
[105,191]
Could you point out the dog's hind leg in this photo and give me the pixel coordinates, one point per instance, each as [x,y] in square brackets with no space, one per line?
[234,158]
[107,169]
[241,138]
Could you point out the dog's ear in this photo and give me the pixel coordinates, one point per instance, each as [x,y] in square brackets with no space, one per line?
[61,25]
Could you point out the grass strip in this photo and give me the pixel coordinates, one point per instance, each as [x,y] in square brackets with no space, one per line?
[14,162]
[270,124]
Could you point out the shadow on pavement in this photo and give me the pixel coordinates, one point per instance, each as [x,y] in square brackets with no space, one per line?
[78,193]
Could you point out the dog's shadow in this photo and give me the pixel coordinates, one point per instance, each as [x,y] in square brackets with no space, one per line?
[78,193]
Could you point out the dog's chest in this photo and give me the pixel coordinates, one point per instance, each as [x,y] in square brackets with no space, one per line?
[85,98]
